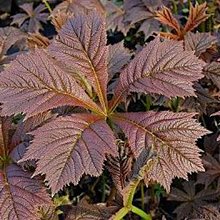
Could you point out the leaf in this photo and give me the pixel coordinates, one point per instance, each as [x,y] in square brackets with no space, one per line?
[201,103]
[141,167]
[207,212]
[142,11]
[191,200]
[32,17]
[20,194]
[36,40]
[115,18]
[212,166]
[8,37]
[6,127]
[212,71]
[81,46]
[77,7]
[21,139]
[171,135]
[47,212]
[166,17]
[161,68]
[34,84]
[197,15]
[68,147]
[199,42]
[117,59]
[86,211]
[59,19]
[120,166]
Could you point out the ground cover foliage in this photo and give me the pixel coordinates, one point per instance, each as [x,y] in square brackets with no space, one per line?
[109,110]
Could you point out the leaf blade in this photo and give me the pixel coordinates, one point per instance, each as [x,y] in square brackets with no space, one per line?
[34,84]
[172,136]
[161,68]
[78,141]
[19,194]
[81,45]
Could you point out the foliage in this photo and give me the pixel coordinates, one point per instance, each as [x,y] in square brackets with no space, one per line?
[77,109]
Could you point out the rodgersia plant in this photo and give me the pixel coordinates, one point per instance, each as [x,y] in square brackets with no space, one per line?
[73,71]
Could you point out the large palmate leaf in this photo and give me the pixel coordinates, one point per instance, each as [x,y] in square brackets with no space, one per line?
[171,135]
[20,195]
[81,45]
[34,83]
[162,68]
[70,146]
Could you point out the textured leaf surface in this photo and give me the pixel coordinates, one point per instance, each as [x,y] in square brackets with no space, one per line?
[81,45]
[212,71]
[115,17]
[212,166]
[118,58]
[171,135]
[120,166]
[78,6]
[166,17]
[20,194]
[162,68]
[197,14]
[5,127]
[198,42]
[70,146]
[8,37]
[21,139]
[34,83]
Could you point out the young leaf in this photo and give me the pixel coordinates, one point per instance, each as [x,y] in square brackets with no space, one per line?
[34,84]
[68,147]
[166,17]
[162,68]
[199,42]
[172,136]
[20,194]
[197,15]
[81,46]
